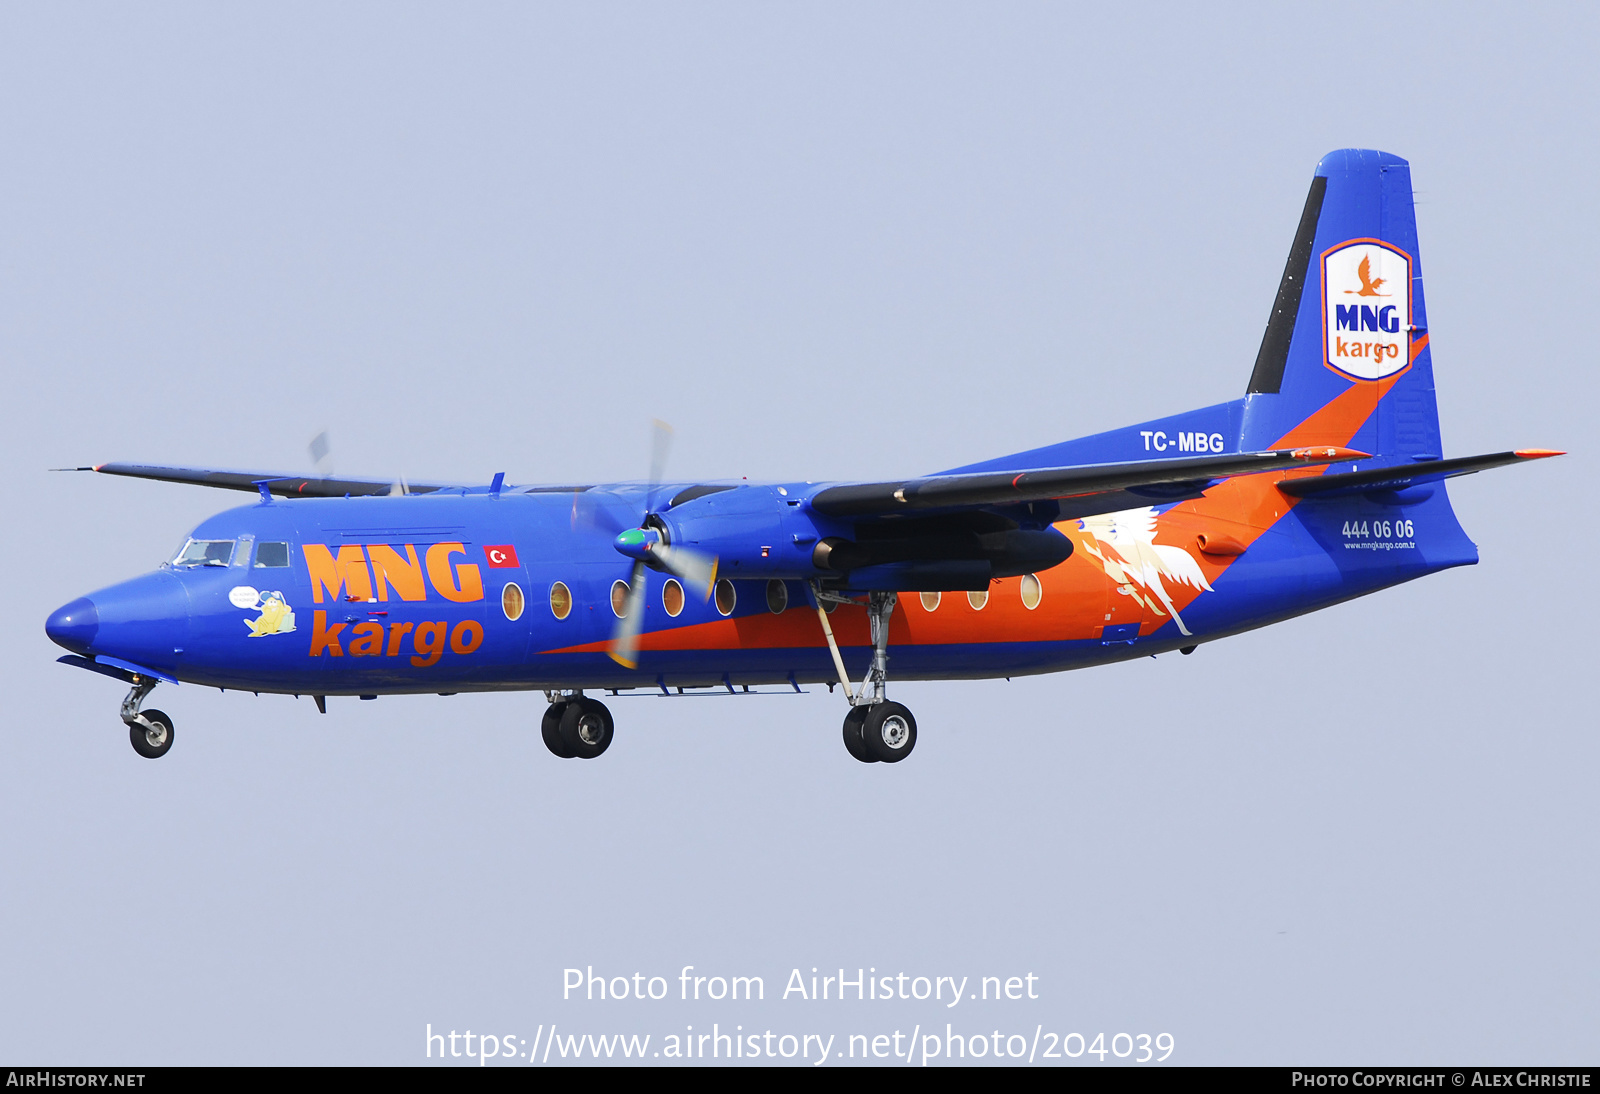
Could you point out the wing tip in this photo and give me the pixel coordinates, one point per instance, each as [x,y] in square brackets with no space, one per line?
[1536,453]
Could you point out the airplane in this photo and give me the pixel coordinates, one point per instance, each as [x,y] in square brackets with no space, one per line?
[1324,482]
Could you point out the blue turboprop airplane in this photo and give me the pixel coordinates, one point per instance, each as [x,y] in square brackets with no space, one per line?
[1325,482]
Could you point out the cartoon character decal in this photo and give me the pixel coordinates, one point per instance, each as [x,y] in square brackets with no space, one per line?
[276,616]
[1124,543]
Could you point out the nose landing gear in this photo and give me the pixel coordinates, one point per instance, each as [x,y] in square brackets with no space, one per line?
[150,732]
[575,726]
[153,739]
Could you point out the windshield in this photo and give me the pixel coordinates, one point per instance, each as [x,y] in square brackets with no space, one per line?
[205,552]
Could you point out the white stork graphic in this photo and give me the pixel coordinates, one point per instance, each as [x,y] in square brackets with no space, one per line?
[1134,560]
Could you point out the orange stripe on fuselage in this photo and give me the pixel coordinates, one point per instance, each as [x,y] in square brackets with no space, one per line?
[1072,606]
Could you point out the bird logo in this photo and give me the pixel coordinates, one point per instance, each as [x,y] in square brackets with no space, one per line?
[1126,548]
[1369,284]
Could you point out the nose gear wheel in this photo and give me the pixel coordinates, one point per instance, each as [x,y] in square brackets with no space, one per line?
[153,737]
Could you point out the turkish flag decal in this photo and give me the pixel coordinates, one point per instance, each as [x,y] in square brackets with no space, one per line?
[501,557]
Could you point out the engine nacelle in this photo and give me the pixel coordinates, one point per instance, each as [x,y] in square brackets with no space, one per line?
[754,531]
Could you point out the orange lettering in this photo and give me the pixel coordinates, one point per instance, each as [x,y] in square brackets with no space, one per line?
[397,631]
[388,568]
[467,636]
[324,637]
[370,642]
[429,642]
[464,584]
[348,571]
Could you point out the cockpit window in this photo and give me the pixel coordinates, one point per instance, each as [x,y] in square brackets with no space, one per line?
[205,552]
[272,555]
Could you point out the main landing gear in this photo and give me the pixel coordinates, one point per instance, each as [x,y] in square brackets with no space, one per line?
[575,726]
[883,733]
[150,731]
[875,730]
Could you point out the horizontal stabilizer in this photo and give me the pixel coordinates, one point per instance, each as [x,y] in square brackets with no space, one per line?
[1162,479]
[1406,475]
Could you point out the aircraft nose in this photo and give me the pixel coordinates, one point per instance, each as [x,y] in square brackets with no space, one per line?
[144,621]
[74,625]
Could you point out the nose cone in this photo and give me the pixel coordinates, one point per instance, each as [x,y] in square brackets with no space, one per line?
[144,621]
[74,625]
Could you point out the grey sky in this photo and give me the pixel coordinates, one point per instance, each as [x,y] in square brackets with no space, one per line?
[823,242]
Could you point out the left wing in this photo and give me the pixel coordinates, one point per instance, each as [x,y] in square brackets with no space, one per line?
[1085,490]
[296,486]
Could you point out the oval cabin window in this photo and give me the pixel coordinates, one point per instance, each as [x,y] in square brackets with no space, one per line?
[777,596]
[978,599]
[619,598]
[930,601]
[726,597]
[672,597]
[511,601]
[1032,591]
[560,601]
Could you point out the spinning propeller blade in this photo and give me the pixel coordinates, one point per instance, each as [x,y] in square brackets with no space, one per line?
[647,543]
[693,568]
[625,639]
[660,442]
[599,510]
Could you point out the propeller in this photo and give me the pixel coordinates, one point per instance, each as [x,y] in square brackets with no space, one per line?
[321,452]
[645,544]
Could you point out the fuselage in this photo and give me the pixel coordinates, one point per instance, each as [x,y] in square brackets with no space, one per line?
[471,591]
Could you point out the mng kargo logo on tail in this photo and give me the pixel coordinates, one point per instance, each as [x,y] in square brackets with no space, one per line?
[1366,308]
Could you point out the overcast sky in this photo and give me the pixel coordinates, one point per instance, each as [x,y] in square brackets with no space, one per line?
[823,241]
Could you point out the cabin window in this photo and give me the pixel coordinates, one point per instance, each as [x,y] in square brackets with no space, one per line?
[511,601]
[726,597]
[619,598]
[560,601]
[205,552]
[978,599]
[777,596]
[1032,591]
[272,555]
[930,601]
[672,597]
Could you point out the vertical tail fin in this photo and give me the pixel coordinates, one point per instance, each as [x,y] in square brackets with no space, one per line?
[1345,356]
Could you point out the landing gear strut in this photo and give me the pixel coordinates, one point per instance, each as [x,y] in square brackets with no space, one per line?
[575,726]
[875,730]
[149,731]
